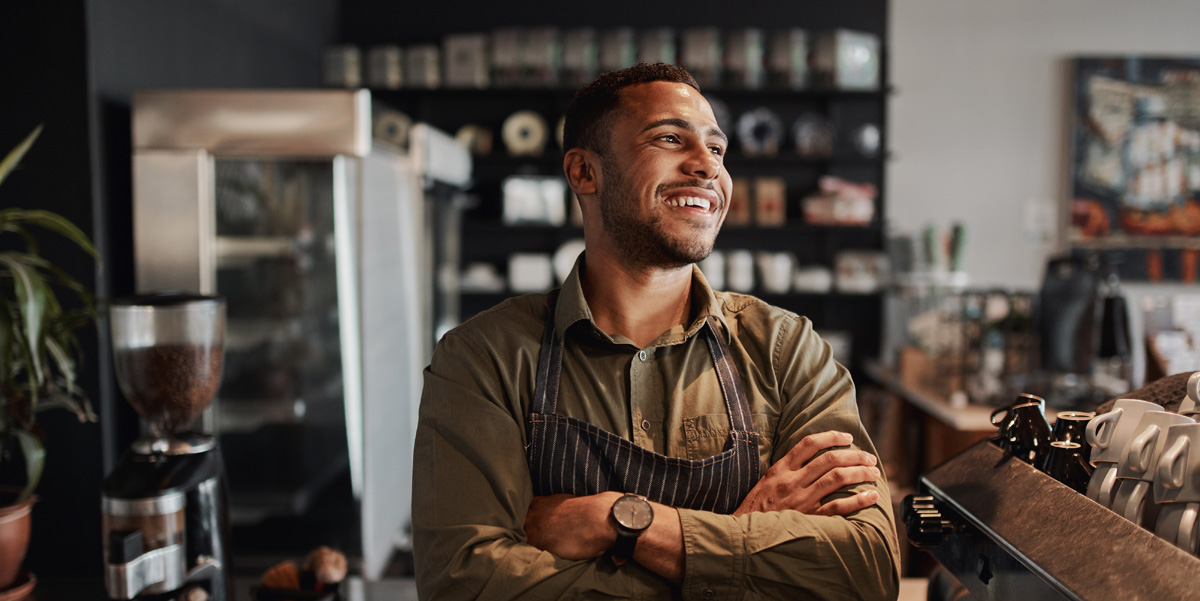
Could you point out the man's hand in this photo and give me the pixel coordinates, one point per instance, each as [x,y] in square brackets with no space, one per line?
[579,528]
[572,527]
[799,482]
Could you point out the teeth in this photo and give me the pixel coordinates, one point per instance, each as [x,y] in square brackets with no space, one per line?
[688,201]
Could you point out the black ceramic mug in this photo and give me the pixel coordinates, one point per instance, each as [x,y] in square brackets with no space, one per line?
[1064,461]
[1024,431]
[1069,426]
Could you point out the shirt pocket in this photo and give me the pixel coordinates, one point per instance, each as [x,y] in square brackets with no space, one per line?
[705,435]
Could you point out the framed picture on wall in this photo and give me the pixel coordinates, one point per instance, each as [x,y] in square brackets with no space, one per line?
[1135,168]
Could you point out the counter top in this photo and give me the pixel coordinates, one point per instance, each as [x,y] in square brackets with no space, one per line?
[353,589]
[966,418]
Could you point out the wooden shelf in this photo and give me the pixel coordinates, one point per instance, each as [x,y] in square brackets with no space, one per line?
[566,92]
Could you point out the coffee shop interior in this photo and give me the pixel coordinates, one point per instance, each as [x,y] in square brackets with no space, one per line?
[985,208]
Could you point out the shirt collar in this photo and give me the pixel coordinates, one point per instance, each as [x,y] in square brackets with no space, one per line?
[571,307]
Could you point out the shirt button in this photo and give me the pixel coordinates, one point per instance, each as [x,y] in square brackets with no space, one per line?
[646,425]
[642,355]
[709,593]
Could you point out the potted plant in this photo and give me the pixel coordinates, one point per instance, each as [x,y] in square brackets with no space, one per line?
[38,353]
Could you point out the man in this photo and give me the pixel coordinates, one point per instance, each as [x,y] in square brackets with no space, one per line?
[636,377]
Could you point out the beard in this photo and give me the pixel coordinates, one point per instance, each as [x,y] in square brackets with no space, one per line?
[647,243]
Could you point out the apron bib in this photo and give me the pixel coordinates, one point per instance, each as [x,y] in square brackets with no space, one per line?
[567,455]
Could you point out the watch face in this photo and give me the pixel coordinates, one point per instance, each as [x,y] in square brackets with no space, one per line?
[633,512]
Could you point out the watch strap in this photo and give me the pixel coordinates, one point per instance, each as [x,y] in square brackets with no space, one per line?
[623,548]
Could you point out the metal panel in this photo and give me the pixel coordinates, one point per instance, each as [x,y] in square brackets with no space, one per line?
[394,286]
[279,123]
[173,223]
[1020,534]
[346,228]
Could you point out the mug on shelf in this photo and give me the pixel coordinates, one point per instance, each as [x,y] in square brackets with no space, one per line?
[1064,461]
[1069,426]
[1177,525]
[1176,478]
[1147,444]
[1023,429]
[1109,433]
[1135,472]
[1103,483]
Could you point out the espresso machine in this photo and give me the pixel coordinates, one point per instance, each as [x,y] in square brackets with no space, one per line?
[164,504]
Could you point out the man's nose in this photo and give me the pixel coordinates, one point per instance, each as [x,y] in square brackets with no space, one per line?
[703,162]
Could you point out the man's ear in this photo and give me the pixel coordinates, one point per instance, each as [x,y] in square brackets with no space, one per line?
[580,167]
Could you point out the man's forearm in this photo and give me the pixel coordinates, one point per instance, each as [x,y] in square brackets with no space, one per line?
[788,554]
[660,547]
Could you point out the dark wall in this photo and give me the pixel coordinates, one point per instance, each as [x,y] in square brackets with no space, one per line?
[147,44]
[73,66]
[44,81]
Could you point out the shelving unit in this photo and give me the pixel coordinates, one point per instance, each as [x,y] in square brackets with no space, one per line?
[486,239]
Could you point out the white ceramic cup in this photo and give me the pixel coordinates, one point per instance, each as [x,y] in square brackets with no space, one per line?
[1103,483]
[1177,476]
[1177,525]
[1135,473]
[1148,442]
[740,270]
[1110,433]
[1134,501]
[713,268]
[775,270]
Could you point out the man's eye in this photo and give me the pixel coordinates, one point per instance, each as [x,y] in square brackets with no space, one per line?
[717,150]
[669,138]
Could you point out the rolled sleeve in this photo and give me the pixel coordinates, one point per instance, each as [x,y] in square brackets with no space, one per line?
[787,555]
[714,555]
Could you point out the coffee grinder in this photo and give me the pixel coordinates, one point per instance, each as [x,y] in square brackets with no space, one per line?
[166,532]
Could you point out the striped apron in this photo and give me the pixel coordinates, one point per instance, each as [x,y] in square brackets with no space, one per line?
[568,455]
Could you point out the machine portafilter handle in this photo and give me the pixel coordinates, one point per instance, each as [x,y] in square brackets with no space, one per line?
[926,524]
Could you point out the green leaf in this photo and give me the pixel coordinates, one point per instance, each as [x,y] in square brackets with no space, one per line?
[79,406]
[35,459]
[31,304]
[55,223]
[62,278]
[62,360]
[13,226]
[14,157]
[6,341]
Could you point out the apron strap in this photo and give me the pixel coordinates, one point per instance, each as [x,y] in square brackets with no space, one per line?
[736,402]
[545,391]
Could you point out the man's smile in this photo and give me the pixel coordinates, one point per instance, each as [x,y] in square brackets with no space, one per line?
[702,199]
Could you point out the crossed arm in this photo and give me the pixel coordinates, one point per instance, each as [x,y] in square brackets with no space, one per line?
[799,481]
[818,525]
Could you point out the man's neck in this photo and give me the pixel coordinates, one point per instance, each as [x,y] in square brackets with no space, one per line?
[637,303]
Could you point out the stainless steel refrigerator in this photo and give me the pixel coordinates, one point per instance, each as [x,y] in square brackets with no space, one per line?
[326,245]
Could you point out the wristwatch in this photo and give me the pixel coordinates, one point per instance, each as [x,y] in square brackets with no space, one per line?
[632,515]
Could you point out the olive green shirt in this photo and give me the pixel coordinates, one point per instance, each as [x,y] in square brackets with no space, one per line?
[472,488]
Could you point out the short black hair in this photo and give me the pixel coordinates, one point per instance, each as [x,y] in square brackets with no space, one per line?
[589,114]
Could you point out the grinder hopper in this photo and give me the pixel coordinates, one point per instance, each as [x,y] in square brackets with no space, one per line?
[168,351]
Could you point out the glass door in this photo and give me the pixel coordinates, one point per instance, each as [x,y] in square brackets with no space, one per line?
[281,410]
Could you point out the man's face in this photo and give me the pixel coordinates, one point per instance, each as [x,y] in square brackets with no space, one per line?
[664,191]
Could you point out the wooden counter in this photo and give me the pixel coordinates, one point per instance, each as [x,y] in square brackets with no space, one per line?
[947,428]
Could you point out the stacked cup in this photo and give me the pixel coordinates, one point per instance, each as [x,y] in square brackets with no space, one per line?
[1135,473]
[1067,458]
[1109,436]
[1177,487]
[1024,431]
[1177,477]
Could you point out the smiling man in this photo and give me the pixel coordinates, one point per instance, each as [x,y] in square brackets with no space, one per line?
[635,434]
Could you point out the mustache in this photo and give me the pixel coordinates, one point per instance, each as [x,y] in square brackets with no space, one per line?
[698,183]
